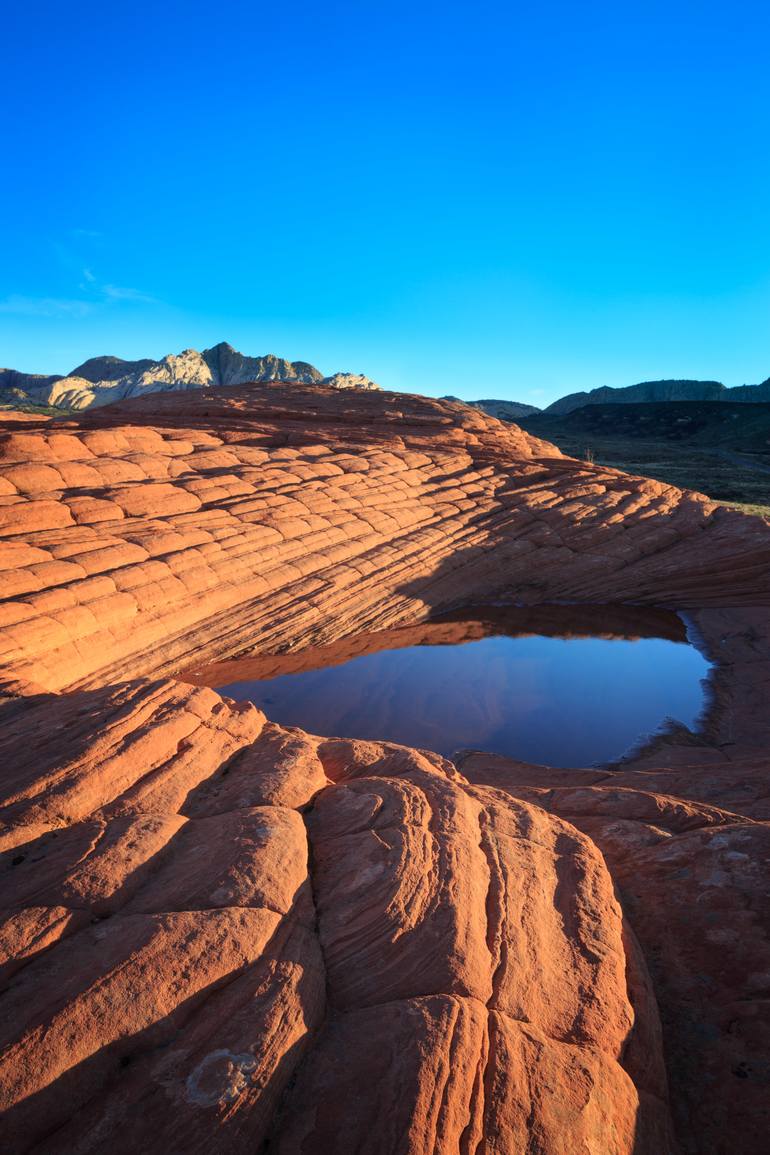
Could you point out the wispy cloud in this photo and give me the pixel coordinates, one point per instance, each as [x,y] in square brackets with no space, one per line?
[95,296]
[75,251]
[122,293]
[21,306]
[91,292]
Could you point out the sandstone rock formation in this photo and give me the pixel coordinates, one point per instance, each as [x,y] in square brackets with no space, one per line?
[104,380]
[219,934]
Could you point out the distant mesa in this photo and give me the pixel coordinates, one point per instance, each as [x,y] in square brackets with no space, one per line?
[652,391]
[103,380]
[645,392]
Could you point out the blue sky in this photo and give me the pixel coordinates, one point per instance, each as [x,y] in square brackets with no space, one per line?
[485,199]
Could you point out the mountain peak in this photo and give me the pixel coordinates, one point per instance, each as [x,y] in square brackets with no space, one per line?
[104,379]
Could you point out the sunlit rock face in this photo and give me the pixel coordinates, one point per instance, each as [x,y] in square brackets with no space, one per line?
[105,380]
[219,933]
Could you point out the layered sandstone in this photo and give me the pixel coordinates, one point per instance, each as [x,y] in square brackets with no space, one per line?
[220,934]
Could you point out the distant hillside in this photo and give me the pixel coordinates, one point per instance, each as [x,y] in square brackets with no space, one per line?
[503,410]
[645,393]
[740,425]
[110,368]
[721,448]
[102,380]
[648,392]
[11,379]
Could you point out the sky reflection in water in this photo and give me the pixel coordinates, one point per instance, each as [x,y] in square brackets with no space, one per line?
[558,701]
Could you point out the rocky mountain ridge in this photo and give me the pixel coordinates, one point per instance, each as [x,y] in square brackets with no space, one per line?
[649,392]
[104,380]
[666,390]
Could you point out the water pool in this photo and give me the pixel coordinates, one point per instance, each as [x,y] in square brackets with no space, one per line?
[561,699]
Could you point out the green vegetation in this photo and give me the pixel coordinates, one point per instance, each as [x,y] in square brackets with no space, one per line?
[31,407]
[719,448]
[756,510]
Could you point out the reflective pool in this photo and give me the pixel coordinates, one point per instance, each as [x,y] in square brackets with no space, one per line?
[558,700]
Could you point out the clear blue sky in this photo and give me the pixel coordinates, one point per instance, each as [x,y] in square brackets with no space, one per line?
[487,199]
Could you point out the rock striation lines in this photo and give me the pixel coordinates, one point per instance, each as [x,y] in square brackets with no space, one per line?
[219,934]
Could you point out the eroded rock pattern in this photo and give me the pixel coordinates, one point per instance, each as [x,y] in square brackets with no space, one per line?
[172,957]
[220,934]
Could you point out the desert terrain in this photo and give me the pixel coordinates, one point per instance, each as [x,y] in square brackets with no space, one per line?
[221,934]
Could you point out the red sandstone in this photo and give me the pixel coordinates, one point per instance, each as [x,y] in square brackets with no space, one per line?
[218,933]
